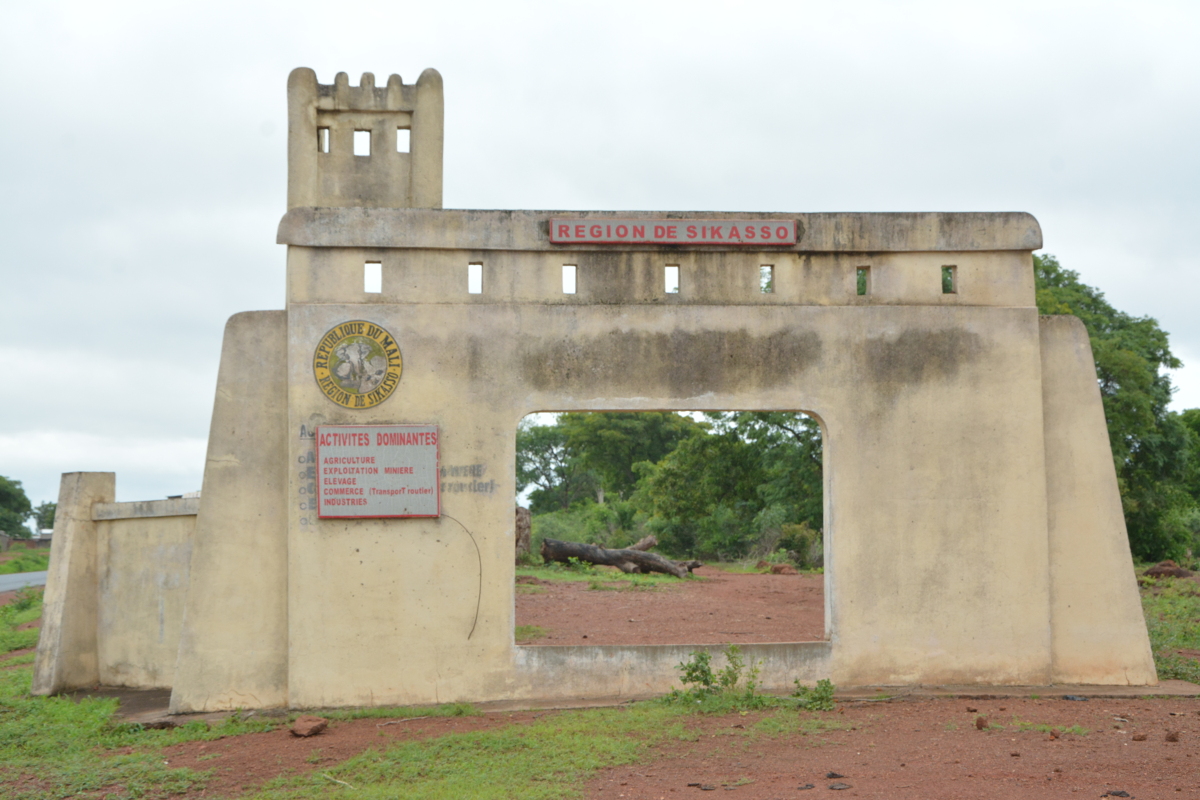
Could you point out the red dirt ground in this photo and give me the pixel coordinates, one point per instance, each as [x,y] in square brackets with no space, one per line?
[926,748]
[903,748]
[724,607]
[242,763]
[932,749]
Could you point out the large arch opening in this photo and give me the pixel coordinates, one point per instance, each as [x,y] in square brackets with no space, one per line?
[743,492]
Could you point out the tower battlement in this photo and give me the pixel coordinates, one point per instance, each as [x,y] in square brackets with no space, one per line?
[365,146]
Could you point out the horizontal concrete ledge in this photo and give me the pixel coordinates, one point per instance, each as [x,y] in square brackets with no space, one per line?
[549,673]
[989,692]
[174,507]
[454,229]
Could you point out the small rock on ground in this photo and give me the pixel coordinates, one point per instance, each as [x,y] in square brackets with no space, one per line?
[308,725]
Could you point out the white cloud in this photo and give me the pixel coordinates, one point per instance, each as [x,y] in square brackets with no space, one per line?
[147,467]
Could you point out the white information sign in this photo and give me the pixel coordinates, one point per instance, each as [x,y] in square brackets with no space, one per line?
[377,471]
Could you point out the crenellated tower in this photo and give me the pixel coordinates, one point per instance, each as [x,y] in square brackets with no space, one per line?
[364,146]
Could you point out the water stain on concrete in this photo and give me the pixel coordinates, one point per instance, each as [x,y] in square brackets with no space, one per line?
[920,356]
[686,363]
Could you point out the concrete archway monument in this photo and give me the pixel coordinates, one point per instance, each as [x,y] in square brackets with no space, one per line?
[353,541]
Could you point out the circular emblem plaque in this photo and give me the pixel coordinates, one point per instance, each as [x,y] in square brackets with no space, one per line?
[357,364]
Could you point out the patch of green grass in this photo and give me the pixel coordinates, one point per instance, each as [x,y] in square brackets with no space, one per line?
[394,712]
[25,608]
[635,583]
[27,561]
[53,747]
[1043,727]
[527,633]
[557,572]
[785,722]
[1172,608]
[16,661]
[750,566]
[547,759]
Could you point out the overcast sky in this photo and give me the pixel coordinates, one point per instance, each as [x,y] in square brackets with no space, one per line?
[144,167]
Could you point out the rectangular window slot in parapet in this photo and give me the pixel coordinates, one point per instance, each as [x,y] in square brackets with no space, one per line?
[568,279]
[474,278]
[402,140]
[322,140]
[671,279]
[766,279]
[950,279]
[362,143]
[864,281]
[373,277]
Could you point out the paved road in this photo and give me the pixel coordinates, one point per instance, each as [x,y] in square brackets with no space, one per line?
[20,580]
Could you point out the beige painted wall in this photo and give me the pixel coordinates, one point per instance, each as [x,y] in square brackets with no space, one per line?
[143,570]
[114,592]
[937,560]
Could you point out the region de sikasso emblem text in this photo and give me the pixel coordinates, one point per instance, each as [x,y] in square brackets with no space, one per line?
[357,364]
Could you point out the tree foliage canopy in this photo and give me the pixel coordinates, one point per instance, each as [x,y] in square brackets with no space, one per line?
[718,487]
[14,508]
[1155,450]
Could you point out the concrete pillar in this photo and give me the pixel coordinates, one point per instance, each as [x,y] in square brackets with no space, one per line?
[1098,632]
[66,654]
[233,646]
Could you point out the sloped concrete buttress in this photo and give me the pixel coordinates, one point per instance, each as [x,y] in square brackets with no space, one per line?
[233,646]
[1098,630]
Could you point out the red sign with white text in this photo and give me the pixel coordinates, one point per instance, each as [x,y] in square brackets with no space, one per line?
[752,232]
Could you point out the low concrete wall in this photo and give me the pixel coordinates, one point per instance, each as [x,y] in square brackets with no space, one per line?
[142,576]
[635,671]
[114,592]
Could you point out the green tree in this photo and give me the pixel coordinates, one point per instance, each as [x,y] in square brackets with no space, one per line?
[44,515]
[14,508]
[1153,448]
[545,461]
[703,496]
[610,443]
[792,453]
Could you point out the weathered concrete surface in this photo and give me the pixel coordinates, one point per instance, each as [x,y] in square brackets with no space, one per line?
[550,673]
[233,649]
[439,277]
[458,229]
[143,570]
[384,178]
[1098,628]
[66,654]
[935,479]
[171,507]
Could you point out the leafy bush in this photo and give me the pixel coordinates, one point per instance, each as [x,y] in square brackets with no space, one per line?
[817,698]
[723,690]
[806,546]
[735,688]
[27,561]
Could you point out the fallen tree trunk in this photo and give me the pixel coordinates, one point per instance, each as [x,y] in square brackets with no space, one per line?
[645,543]
[628,561]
